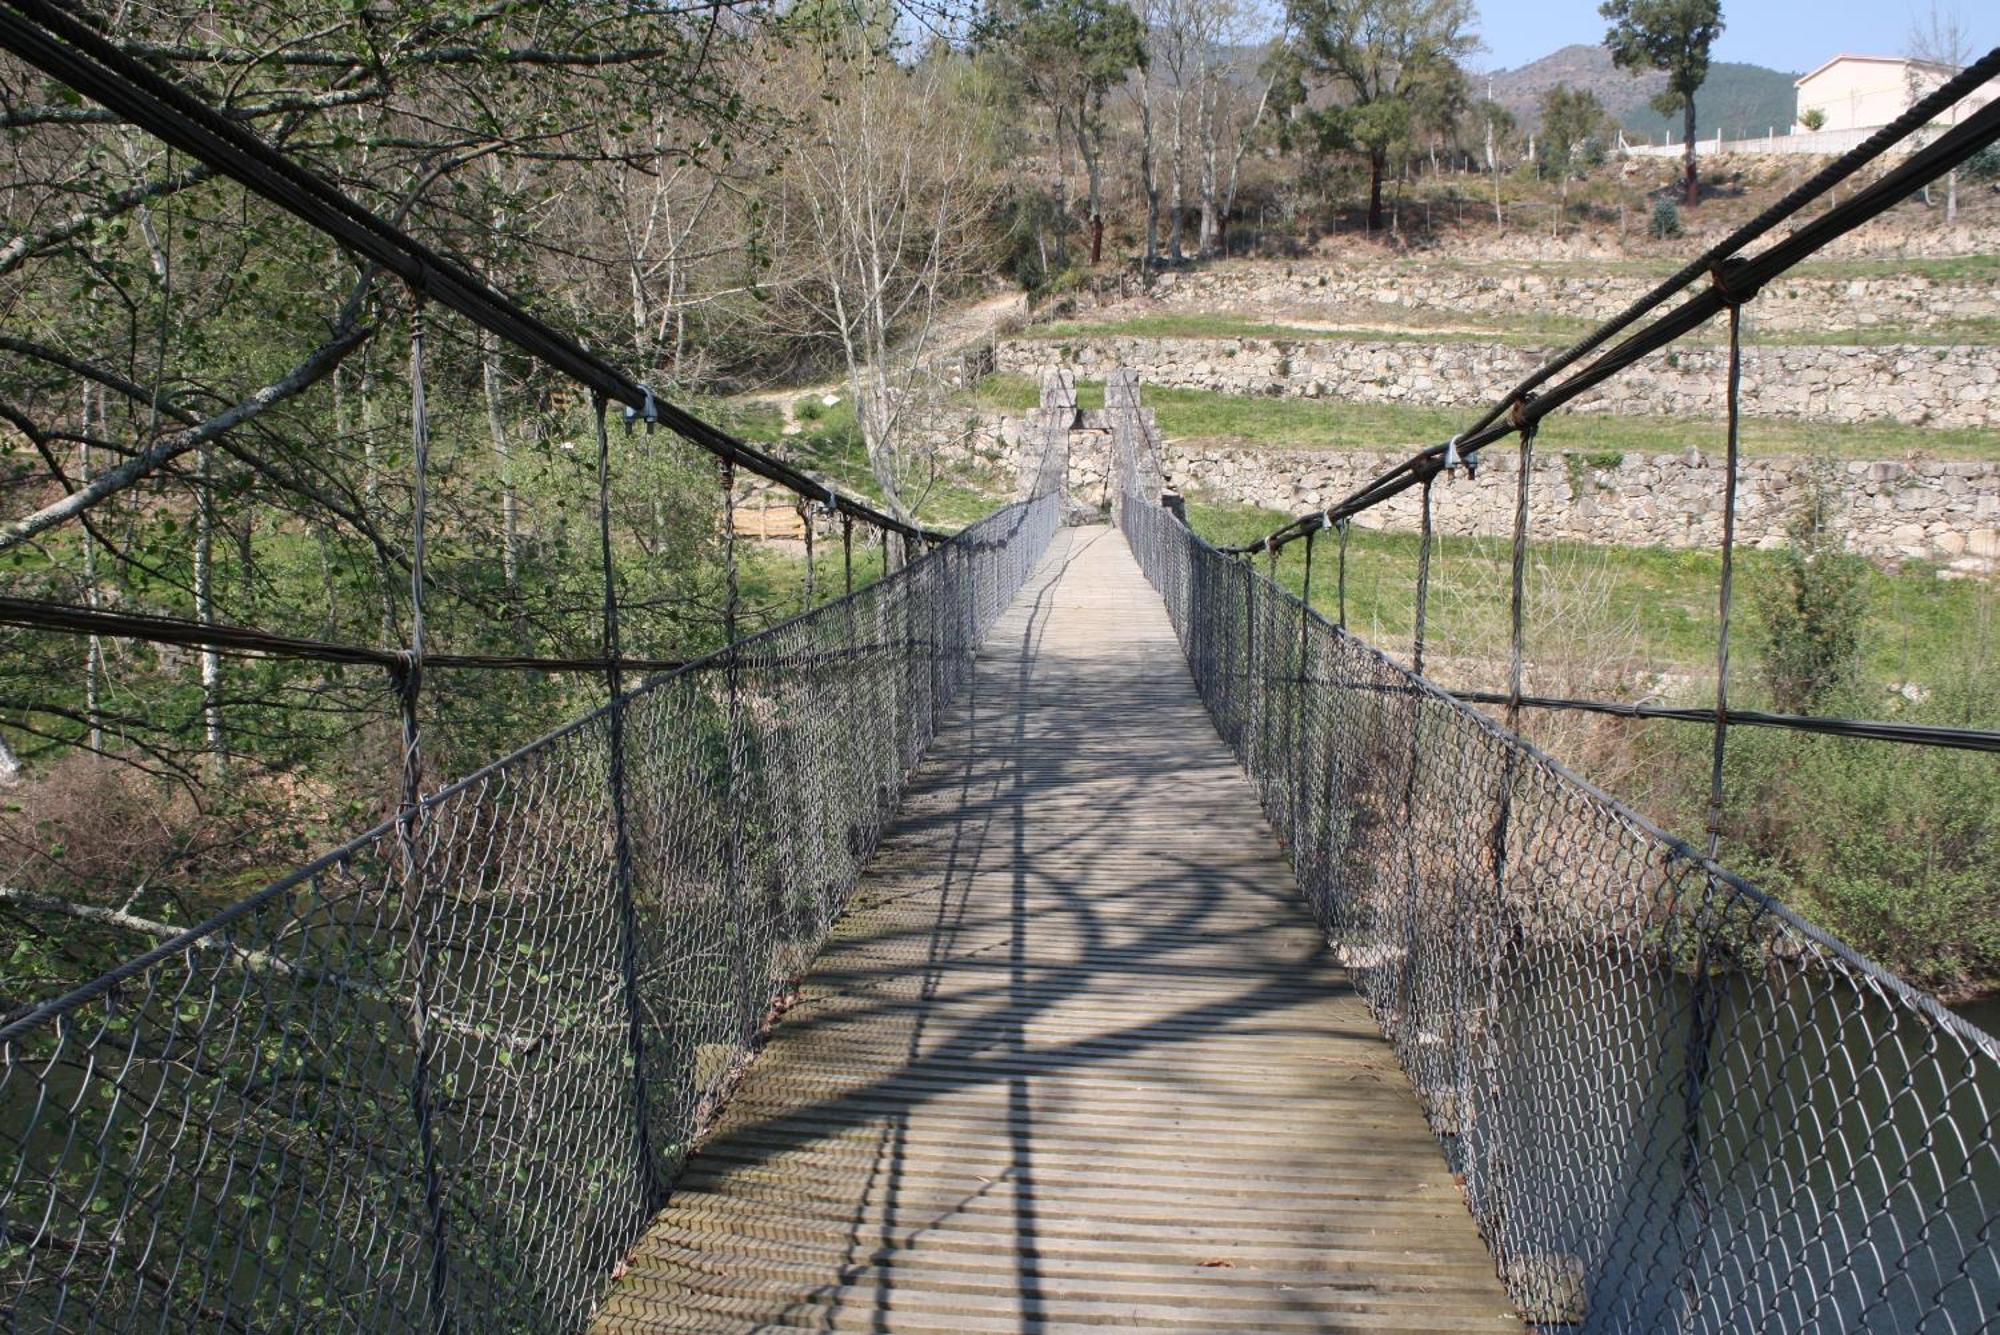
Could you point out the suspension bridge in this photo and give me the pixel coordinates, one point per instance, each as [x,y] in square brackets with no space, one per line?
[1071,928]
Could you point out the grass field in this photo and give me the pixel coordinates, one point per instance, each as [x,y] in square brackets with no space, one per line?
[1642,612]
[1893,848]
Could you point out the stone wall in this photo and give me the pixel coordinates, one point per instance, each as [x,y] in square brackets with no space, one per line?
[1897,236]
[1948,512]
[1790,303]
[1932,386]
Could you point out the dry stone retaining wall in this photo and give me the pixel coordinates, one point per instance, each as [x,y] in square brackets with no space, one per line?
[1790,303]
[1942,511]
[1933,386]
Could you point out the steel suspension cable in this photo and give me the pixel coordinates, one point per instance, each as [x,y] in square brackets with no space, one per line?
[1727,586]
[412,838]
[1517,600]
[1423,582]
[651,1188]
[1343,524]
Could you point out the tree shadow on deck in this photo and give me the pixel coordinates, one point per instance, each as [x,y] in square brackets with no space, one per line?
[1057,976]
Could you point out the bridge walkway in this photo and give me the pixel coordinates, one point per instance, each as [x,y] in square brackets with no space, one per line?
[1076,1055]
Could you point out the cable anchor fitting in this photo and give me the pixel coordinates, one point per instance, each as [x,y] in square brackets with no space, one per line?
[651,411]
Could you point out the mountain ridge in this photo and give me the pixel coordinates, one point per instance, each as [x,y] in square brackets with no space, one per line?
[1744,100]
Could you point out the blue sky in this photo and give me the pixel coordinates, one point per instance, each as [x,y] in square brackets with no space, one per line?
[1784,34]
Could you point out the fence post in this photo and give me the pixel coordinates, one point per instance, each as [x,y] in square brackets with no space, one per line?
[410,836]
[1423,579]
[621,839]
[1247,720]
[735,757]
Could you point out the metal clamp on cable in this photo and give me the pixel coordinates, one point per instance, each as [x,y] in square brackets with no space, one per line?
[651,412]
[1728,280]
[1517,413]
[1452,460]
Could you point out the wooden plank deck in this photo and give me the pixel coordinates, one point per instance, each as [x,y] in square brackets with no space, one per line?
[1076,1055]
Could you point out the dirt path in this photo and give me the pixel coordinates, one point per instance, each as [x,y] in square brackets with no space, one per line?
[952,334]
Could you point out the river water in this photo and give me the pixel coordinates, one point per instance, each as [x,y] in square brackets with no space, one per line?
[1835,1175]
[1984,1012]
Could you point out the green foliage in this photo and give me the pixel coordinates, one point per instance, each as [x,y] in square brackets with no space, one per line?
[1984,165]
[1069,52]
[1813,118]
[1893,849]
[1392,67]
[1672,36]
[1030,217]
[1665,223]
[1574,132]
[1812,613]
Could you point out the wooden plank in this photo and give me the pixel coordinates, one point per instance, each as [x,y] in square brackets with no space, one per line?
[1076,1056]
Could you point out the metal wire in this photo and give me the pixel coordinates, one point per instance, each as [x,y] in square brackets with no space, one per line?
[1673,1105]
[231,1131]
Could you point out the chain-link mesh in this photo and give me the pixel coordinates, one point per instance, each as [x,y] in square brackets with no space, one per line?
[441,1075]
[1672,1104]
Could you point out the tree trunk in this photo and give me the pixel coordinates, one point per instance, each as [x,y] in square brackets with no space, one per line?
[1693,180]
[93,681]
[1493,167]
[496,424]
[1062,218]
[1088,149]
[1177,179]
[1149,171]
[204,603]
[1206,125]
[1236,158]
[1378,163]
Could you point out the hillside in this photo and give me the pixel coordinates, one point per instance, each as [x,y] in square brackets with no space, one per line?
[1742,99]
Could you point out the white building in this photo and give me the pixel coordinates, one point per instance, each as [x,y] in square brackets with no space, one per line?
[1861,93]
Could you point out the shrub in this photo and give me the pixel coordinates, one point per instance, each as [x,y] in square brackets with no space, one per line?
[1811,612]
[90,825]
[1893,849]
[1666,221]
[1813,119]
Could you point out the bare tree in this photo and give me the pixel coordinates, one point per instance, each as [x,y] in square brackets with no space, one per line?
[1180,39]
[1241,105]
[1143,89]
[892,184]
[1939,41]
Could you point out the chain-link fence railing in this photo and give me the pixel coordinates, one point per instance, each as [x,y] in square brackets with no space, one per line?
[1672,1104]
[443,1075]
